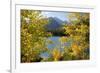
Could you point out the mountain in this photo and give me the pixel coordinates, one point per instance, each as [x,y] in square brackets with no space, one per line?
[54,24]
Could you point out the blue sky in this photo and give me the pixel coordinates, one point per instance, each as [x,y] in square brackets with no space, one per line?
[58,14]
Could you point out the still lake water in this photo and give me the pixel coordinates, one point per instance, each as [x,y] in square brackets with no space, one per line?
[56,44]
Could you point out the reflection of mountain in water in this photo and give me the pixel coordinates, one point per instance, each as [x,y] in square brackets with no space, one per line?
[55,26]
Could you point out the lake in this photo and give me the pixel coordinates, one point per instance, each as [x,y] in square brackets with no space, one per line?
[56,44]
